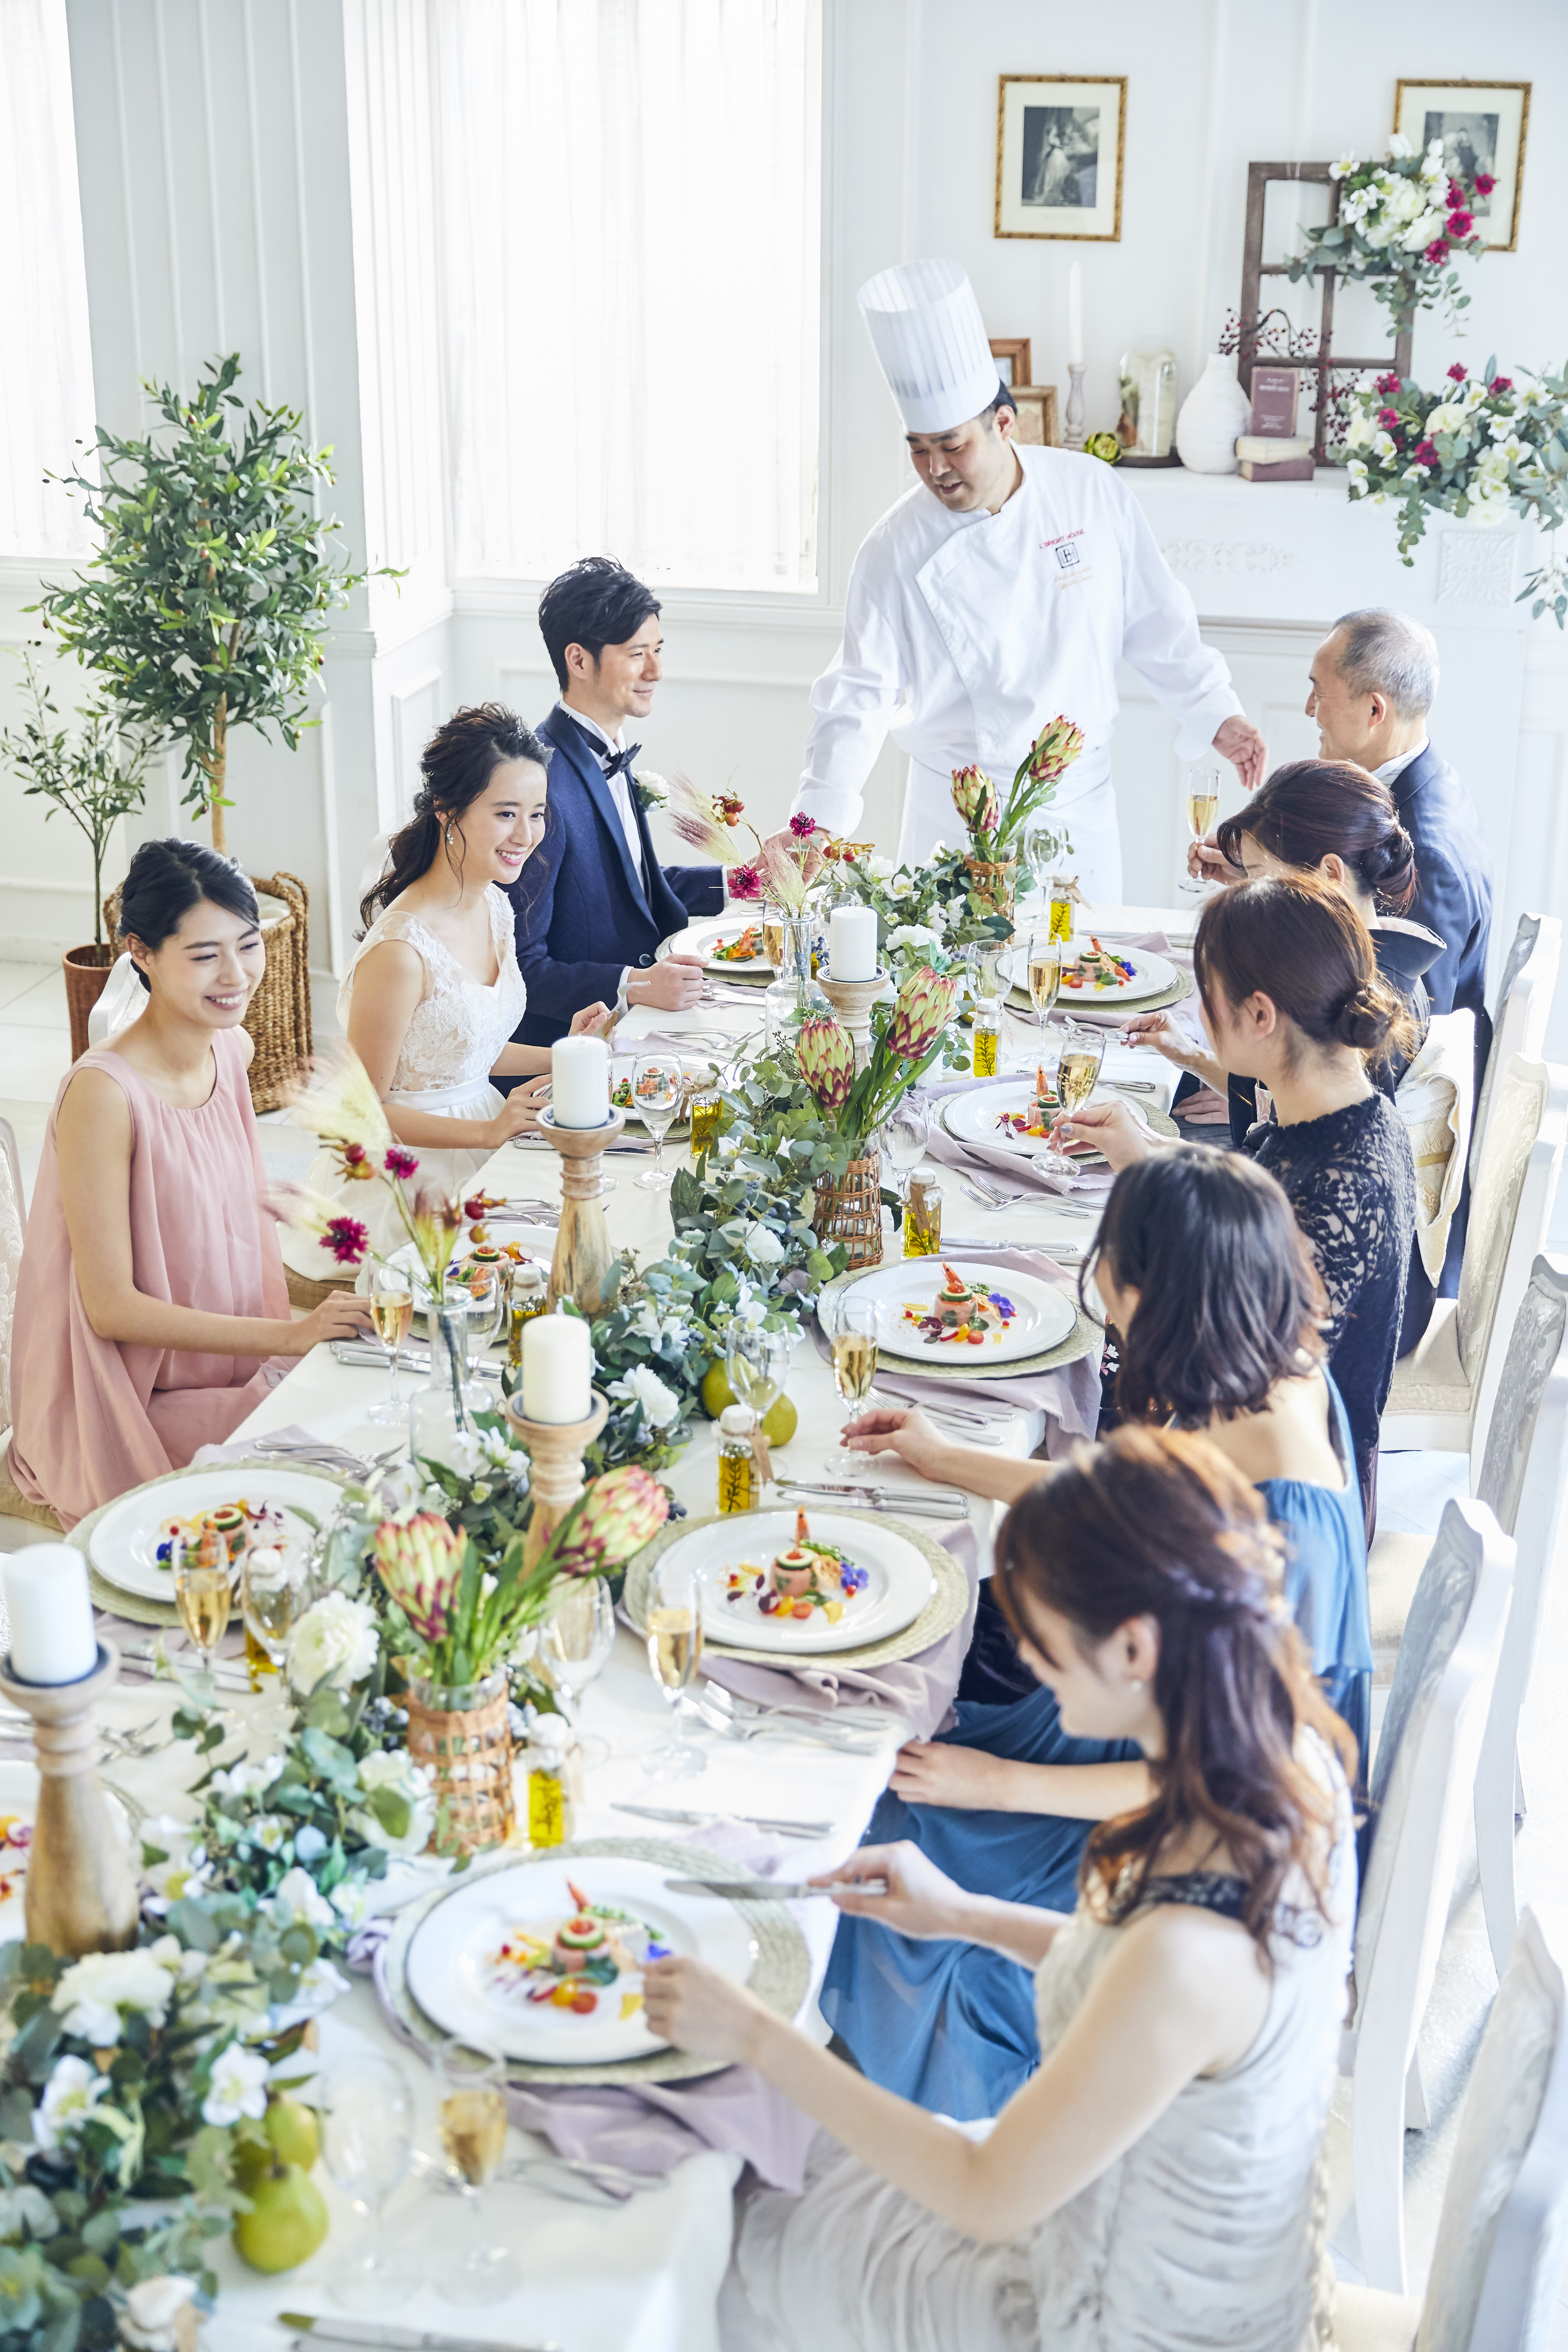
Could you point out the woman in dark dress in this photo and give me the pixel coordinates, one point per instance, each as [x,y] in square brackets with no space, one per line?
[1201,1269]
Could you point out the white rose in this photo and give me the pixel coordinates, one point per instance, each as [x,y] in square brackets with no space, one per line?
[242,1779]
[72,2091]
[333,1641]
[91,1994]
[1445,418]
[238,2086]
[1360,431]
[660,1402]
[398,1771]
[299,1899]
[764,1246]
[1380,232]
[151,2312]
[1421,232]
[912,935]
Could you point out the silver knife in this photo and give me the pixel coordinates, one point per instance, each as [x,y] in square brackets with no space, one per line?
[368,2332]
[770,1890]
[699,1820]
[880,1509]
[880,1497]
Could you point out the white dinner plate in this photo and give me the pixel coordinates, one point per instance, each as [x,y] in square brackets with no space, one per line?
[701,939]
[124,1544]
[899,1587]
[973,1117]
[1042,1316]
[1151,975]
[453,1976]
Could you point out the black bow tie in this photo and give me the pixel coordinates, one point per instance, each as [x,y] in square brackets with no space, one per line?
[614,762]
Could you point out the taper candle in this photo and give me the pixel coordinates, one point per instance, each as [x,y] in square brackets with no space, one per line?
[557,1369]
[852,943]
[52,1635]
[580,1081]
[1075,315]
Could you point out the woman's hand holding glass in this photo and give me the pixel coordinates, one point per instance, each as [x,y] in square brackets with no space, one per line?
[1111,1128]
[905,1431]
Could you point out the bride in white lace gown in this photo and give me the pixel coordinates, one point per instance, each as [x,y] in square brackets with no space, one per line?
[433,994]
[1157,2183]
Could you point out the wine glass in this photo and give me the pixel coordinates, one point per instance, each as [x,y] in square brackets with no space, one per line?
[1045,968]
[906,1132]
[657,1083]
[853,1334]
[472,2087]
[1041,846]
[367,2142]
[274,1593]
[757,1364]
[204,1595]
[1201,790]
[673,1647]
[392,1312]
[1077,1075]
[774,937]
[575,1641]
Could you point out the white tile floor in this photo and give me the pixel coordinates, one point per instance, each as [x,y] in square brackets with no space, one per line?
[1413,1489]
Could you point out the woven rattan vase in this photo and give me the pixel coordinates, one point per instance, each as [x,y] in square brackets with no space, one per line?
[997,884]
[279,1017]
[849,1210]
[464,1741]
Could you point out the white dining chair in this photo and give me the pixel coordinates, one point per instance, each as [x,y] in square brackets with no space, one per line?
[1524,997]
[1442,1392]
[1424,1770]
[1502,2231]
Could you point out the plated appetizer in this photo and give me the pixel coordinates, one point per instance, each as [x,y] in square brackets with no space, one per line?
[220,1537]
[747,948]
[804,1576]
[1097,968]
[572,1964]
[967,1313]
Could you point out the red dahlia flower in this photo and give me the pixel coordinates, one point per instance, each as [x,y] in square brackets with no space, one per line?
[400,1163]
[347,1239]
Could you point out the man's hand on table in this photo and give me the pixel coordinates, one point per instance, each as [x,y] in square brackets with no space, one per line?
[673,985]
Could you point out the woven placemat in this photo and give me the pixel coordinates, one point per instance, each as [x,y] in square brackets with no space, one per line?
[1181,988]
[943,1611]
[135,1607]
[780,1978]
[1083,1339]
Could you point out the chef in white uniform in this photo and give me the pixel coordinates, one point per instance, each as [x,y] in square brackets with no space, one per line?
[1002,588]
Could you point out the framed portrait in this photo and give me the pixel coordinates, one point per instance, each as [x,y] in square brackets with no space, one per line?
[1035,416]
[1482,126]
[1059,155]
[1011,353]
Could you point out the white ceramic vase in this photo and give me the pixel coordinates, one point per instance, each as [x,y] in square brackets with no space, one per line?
[1215,411]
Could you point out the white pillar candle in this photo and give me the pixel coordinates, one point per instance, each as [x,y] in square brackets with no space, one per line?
[557,1369]
[1075,316]
[580,1081]
[52,1635]
[852,943]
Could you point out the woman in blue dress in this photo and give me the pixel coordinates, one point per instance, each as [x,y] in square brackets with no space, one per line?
[1204,1273]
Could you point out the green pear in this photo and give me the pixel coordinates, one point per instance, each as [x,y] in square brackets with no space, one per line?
[287,2221]
[292,2128]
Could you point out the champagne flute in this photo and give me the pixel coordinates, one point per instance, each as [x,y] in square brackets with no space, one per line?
[273,1580]
[658,1084]
[472,2087]
[854,1343]
[392,1312]
[367,2142]
[757,1363]
[673,1647]
[1201,790]
[774,937]
[1041,846]
[204,1595]
[575,1644]
[1077,1075]
[906,1132]
[1044,968]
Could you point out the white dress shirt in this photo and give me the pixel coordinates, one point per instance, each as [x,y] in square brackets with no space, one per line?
[1392,770]
[619,783]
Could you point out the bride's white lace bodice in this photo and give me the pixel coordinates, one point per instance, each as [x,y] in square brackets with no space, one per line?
[458,1025]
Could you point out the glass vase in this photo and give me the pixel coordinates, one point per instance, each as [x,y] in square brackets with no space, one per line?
[794,995]
[441,1412]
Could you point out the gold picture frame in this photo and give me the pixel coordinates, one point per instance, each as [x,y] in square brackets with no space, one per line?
[1055,137]
[1493,136]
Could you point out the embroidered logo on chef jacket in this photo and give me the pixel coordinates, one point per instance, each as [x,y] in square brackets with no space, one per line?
[1067,554]
[1072,569]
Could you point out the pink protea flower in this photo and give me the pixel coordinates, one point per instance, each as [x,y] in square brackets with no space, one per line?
[924,1005]
[802,825]
[400,1163]
[743,882]
[826,1057]
[975,798]
[1055,747]
[620,1512]
[419,1562]
[347,1239]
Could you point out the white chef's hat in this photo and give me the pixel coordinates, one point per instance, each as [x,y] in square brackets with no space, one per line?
[931,343]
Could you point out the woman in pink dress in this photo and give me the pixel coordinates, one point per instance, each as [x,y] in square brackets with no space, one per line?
[152,1290]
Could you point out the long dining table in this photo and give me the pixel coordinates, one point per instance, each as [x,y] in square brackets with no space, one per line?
[644,2275]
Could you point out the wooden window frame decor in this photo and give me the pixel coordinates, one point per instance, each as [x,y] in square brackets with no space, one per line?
[1255,269]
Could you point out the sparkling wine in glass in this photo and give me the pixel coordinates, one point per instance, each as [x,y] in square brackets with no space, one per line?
[1077,1075]
[1045,970]
[1202,807]
[273,1582]
[757,1364]
[658,1084]
[204,1595]
[473,2123]
[774,937]
[674,1648]
[852,1339]
[392,1312]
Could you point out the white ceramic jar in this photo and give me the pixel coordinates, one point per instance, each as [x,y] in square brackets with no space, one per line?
[1215,411]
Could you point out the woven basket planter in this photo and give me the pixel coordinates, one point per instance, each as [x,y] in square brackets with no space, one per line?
[464,1741]
[849,1210]
[997,884]
[279,1017]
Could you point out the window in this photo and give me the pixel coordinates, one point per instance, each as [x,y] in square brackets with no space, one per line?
[629,271]
[45,386]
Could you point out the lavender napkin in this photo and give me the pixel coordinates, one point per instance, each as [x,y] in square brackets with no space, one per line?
[291,1447]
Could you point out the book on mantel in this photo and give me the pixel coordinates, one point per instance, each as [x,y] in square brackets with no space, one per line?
[1272,457]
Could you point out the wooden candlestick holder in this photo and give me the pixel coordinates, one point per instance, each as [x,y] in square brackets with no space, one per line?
[555,1450]
[852,1000]
[583,1253]
[81,1893]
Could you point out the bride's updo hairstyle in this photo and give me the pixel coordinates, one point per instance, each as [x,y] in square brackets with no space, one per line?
[167,878]
[1157,1524]
[456,765]
[1300,942]
[1312,809]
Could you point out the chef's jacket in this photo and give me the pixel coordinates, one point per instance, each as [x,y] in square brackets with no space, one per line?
[965,634]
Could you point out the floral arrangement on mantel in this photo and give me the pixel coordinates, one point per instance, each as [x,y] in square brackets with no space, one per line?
[1402,225]
[1482,448]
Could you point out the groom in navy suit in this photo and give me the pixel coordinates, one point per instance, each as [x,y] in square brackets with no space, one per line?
[593,902]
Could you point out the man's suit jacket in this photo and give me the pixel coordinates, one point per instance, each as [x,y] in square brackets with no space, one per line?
[1454,886]
[582,911]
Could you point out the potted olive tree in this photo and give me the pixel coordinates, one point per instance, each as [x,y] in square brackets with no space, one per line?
[93,771]
[206,604]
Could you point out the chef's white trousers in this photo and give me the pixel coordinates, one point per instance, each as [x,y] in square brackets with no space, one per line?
[1087,814]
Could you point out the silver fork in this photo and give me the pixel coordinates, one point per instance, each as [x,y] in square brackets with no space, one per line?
[991,1195]
[718,1719]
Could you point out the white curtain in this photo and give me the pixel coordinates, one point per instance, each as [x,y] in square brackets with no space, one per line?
[46,381]
[630,224]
